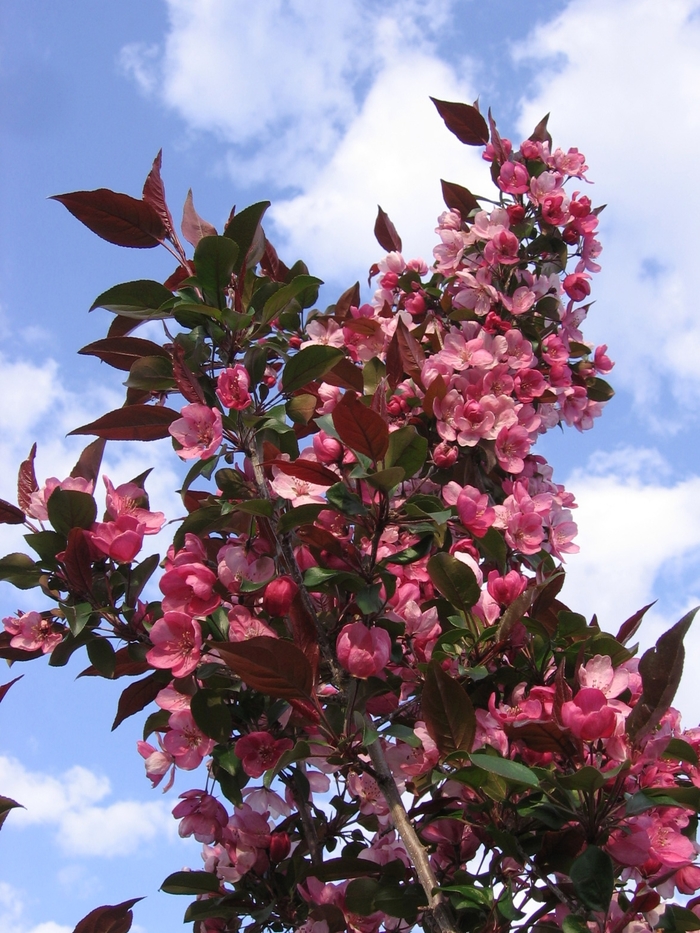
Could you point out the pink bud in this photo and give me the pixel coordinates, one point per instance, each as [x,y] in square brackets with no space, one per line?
[279,595]
[362,651]
[576,286]
[280,844]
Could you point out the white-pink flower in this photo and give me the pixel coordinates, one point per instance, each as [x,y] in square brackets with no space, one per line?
[199,431]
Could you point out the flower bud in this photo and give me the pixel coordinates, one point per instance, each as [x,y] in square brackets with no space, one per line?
[280,845]
[279,595]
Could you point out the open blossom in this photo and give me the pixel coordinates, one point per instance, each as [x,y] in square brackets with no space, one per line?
[31,632]
[201,816]
[186,742]
[121,539]
[128,499]
[260,751]
[588,715]
[199,431]
[177,643]
[232,387]
[362,651]
[157,764]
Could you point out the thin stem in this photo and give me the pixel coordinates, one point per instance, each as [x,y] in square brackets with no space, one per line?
[307,824]
[440,914]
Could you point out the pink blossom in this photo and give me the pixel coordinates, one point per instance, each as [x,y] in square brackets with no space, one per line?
[232,387]
[128,499]
[235,566]
[242,625]
[503,248]
[121,539]
[524,532]
[512,445]
[177,644]
[33,633]
[474,511]
[260,751]
[186,742]
[513,178]
[506,589]
[199,431]
[201,816]
[157,764]
[362,651]
[588,715]
[576,286]
[188,586]
[603,364]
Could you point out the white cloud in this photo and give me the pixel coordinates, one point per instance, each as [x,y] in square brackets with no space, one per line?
[74,805]
[13,915]
[639,534]
[622,81]
[394,154]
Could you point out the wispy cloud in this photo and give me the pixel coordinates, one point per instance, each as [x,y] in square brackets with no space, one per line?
[76,805]
[622,81]
[13,918]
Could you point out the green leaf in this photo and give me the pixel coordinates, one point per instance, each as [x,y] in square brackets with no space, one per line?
[78,616]
[593,878]
[455,580]
[586,778]
[309,364]
[20,570]
[345,501]
[140,299]
[574,924]
[102,656]
[214,261]
[386,480]
[68,508]
[448,712]
[288,293]
[152,374]
[678,750]
[407,449]
[47,544]
[677,919]
[211,714]
[255,507]
[369,599]
[191,882]
[413,553]
[243,229]
[301,515]
[505,768]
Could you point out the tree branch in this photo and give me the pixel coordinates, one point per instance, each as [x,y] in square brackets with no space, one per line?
[438,909]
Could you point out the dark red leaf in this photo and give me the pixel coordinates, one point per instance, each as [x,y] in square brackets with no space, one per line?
[271,265]
[562,692]
[174,281]
[272,666]
[496,141]
[154,194]
[109,919]
[436,390]
[5,687]
[137,696]
[541,134]
[26,480]
[448,712]
[122,325]
[661,668]
[349,299]
[122,352]
[308,471]
[124,666]
[541,736]
[629,628]
[88,465]
[345,375]
[458,198]
[132,423]
[193,226]
[10,514]
[404,356]
[7,804]
[360,428]
[304,632]
[78,562]
[385,232]
[117,218]
[464,121]
[185,379]
[366,326]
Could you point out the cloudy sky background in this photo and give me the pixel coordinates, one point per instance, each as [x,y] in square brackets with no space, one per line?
[324,110]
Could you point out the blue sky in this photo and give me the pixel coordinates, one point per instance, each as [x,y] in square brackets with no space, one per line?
[324,110]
